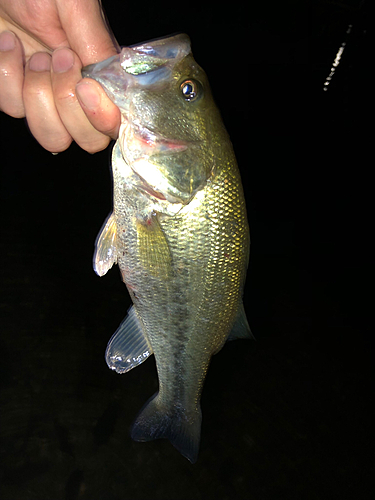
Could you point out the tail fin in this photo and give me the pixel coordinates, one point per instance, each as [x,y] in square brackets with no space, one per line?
[157,421]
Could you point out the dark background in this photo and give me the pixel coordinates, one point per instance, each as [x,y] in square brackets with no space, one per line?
[287,416]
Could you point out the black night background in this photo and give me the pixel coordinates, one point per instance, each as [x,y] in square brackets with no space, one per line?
[287,416]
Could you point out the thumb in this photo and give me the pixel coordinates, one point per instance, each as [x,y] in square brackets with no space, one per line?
[87,30]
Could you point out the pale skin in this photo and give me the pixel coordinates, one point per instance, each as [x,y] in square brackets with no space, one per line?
[43,46]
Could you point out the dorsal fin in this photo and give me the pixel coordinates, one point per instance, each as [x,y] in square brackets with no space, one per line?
[241,328]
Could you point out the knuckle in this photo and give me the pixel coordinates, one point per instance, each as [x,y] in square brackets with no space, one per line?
[38,92]
[94,146]
[15,111]
[12,105]
[57,144]
[6,72]
[11,100]
[65,99]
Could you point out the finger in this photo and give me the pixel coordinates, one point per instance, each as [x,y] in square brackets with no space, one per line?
[102,113]
[87,31]
[42,116]
[11,75]
[66,73]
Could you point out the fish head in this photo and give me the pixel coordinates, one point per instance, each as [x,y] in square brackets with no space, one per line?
[168,115]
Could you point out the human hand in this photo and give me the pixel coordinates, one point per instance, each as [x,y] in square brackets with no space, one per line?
[41,57]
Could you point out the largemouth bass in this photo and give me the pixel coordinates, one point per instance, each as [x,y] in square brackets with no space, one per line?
[178,231]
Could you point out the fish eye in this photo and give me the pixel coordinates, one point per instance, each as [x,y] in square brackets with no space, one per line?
[190,89]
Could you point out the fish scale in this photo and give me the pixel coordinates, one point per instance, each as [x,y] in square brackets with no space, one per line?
[178,232]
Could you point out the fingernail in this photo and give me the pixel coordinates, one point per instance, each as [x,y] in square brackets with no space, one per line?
[7,41]
[41,61]
[88,95]
[62,60]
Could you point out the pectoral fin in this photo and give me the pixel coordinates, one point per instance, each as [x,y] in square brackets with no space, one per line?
[153,248]
[128,346]
[105,248]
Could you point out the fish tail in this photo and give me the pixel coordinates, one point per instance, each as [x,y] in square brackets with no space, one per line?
[156,421]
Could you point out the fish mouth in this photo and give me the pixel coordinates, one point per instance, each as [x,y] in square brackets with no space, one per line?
[138,66]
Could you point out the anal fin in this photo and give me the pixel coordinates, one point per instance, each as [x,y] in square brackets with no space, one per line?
[128,346]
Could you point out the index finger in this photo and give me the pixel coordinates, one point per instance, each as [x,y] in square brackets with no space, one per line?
[87,30]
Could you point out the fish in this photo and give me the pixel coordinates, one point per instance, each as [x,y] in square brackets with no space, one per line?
[178,231]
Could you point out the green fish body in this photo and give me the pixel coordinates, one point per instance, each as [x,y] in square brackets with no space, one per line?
[178,231]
